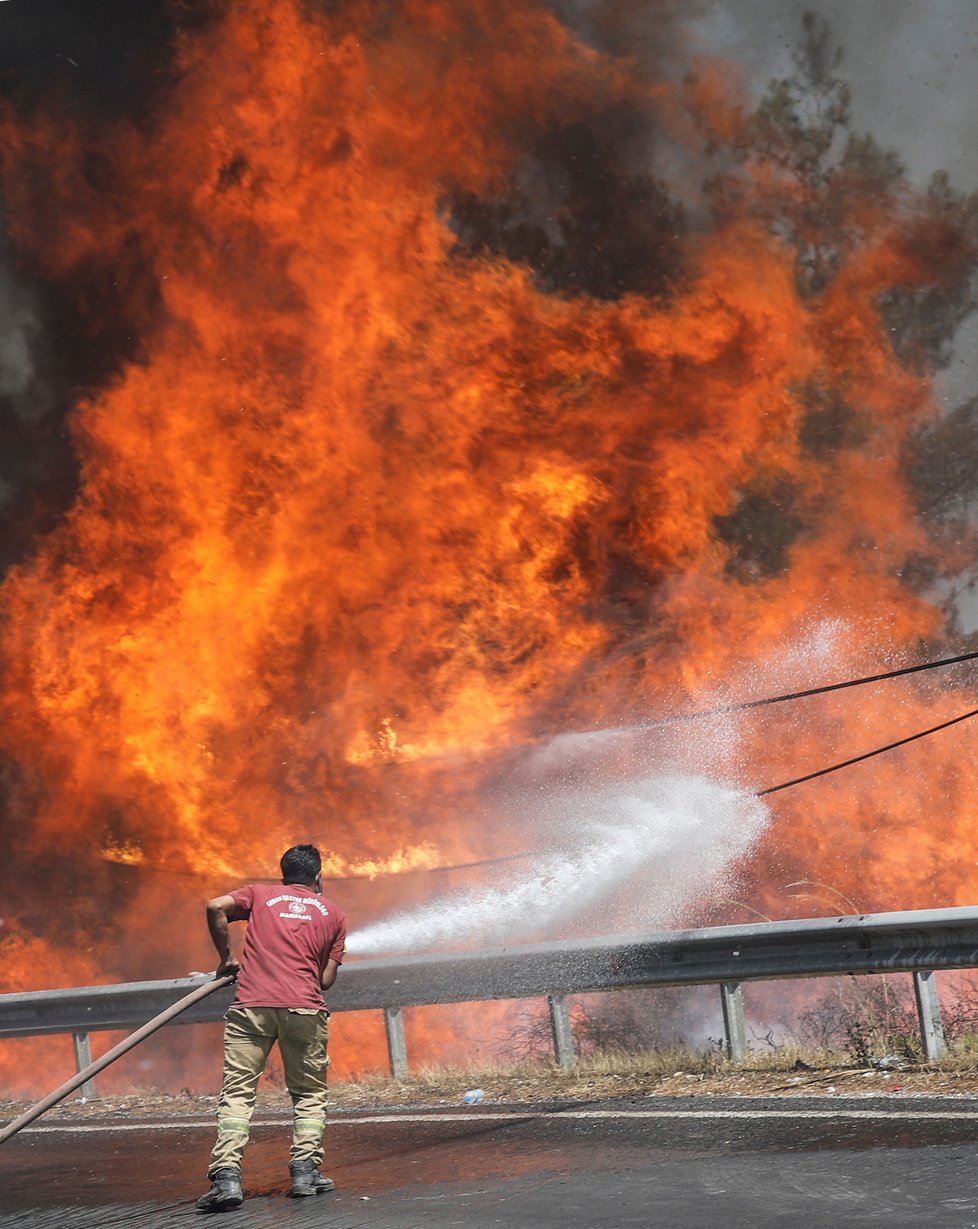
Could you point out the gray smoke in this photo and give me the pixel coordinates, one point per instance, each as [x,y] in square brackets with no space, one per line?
[910,66]
[21,345]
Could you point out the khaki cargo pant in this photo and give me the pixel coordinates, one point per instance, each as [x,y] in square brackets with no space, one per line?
[249,1034]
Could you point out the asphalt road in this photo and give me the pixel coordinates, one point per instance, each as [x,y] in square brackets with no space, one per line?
[695,1163]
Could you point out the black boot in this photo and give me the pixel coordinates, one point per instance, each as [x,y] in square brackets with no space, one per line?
[225,1192]
[307,1180]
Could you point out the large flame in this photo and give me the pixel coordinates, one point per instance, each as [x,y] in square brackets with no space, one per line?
[371,506]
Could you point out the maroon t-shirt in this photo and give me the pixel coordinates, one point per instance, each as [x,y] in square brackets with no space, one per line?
[292,933]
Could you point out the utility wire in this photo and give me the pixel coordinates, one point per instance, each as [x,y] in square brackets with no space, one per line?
[418,870]
[811,776]
[735,708]
[800,695]
[815,691]
[773,789]
[761,793]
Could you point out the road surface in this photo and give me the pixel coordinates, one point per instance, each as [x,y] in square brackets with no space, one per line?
[689,1163]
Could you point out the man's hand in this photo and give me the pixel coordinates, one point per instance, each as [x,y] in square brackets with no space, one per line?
[227,967]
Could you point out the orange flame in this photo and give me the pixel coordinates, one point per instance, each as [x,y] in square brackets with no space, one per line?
[364,510]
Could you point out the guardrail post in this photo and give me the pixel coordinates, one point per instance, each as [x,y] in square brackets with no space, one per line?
[83,1059]
[732,1002]
[560,1028]
[929,1014]
[396,1045]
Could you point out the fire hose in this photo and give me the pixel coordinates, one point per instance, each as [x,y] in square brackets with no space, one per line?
[151,1026]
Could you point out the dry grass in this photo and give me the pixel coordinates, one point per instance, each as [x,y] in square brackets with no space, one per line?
[675,1071]
[669,1072]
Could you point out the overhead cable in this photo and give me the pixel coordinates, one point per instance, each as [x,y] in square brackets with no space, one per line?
[867,755]
[742,705]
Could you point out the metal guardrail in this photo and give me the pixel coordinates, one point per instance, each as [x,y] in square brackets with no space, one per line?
[918,943]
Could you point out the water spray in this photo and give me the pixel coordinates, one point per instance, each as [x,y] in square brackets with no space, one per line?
[602,839]
[628,828]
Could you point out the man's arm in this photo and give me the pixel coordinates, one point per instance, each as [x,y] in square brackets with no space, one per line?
[220,911]
[329,973]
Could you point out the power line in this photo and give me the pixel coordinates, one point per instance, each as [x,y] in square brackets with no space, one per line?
[432,870]
[902,742]
[743,705]
[761,793]
[811,776]
[774,789]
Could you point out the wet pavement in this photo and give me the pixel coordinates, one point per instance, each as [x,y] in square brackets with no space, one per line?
[740,1163]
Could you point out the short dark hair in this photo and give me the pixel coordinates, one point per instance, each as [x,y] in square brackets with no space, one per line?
[301,864]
